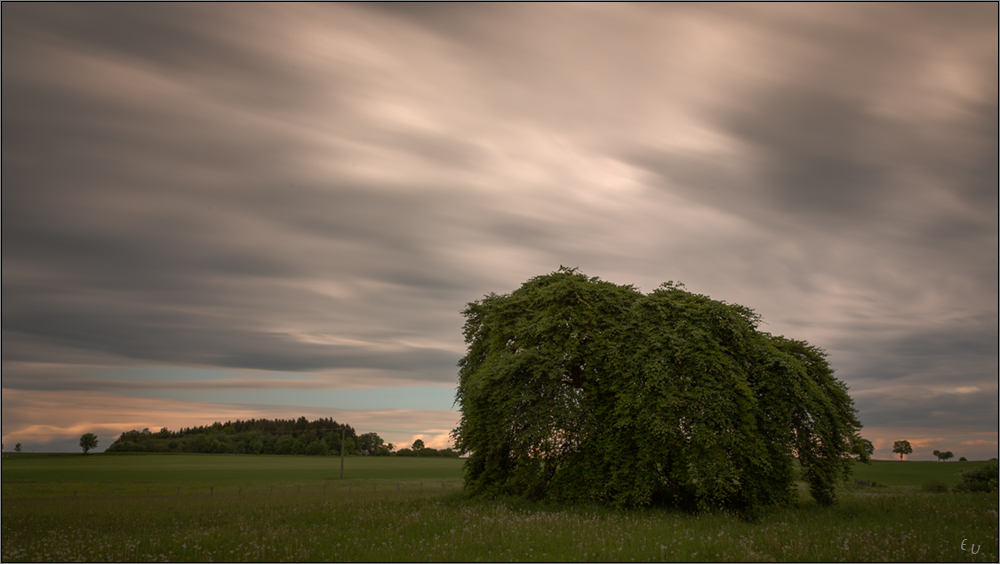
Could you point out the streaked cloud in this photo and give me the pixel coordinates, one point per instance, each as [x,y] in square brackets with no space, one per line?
[979,442]
[301,198]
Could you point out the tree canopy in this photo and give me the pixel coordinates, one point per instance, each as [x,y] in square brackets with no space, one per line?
[578,389]
[253,436]
[88,442]
[946,455]
[902,448]
[372,445]
[982,479]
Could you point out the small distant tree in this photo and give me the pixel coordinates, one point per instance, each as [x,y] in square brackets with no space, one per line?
[937,453]
[88,442]
[418,444]
[963,459]
[902,448]
[948,455]
[17,447]
[372,445]
[865,450]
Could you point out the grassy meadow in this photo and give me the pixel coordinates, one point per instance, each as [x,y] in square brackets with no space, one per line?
[909,473]
[412,509]
[59,475]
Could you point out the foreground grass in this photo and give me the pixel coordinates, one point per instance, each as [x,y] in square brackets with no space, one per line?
[890,524]
[271,508]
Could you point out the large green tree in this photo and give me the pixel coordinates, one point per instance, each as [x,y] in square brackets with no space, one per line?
[577,389]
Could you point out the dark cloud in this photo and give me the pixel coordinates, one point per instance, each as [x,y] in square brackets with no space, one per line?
[180,339]
[945,355]
[812,156]
[201,45]
[950,413]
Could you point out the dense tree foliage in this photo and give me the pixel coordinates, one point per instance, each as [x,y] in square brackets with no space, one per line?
[902,448]
[577,389]
[946,455]
[867,450]
[255,436]
[982,479]
[264,436]
[370,444]
[427,452]
[88,442]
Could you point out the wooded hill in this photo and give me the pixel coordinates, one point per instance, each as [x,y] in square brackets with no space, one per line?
[255,436]
[264,436]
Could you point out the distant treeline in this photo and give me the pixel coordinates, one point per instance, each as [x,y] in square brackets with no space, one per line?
[265,436]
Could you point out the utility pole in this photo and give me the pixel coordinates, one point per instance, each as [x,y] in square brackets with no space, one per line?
[343,435]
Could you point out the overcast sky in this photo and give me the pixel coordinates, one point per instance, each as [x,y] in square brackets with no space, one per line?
[226,211]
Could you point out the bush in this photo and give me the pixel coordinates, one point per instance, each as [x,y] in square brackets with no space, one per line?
[935,486]
[982,479]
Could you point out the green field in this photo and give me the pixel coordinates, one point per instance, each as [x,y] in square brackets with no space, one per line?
[411,509]
[59,475]
[910,473]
